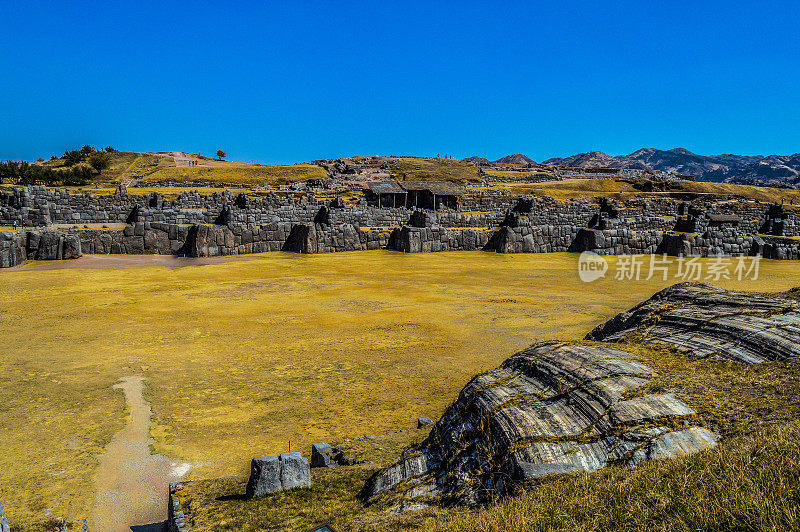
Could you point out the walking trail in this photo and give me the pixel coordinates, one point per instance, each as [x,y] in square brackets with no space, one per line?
[131,483]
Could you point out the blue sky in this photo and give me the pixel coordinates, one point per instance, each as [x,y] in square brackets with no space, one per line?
[278,82]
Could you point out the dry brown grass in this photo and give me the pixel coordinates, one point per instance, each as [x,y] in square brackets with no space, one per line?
[433,169]
[238,174]
[763,194]
[574,189]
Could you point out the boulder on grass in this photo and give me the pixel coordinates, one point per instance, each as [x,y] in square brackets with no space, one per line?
[265,476]
[295,471]
[321,455]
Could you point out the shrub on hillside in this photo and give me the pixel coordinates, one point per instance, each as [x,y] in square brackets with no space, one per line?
[99,160]
[23,173]
[73,157]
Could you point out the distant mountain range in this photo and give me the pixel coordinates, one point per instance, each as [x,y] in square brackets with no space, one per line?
[751,169]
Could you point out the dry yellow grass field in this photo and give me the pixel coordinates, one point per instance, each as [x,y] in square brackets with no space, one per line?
[435,169]
[573,188]
[241,356]
[593,187]
[238,174]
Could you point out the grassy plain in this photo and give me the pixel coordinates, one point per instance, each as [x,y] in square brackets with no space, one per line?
[242,356]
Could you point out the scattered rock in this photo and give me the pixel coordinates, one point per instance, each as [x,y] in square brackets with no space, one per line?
[272,473]
[424,422]
[321,455]
[408,507]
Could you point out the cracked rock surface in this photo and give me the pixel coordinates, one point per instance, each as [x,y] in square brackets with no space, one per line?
[709,321]
[552,408]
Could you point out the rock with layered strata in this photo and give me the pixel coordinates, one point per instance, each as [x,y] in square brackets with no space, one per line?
[552,408]
[709,321]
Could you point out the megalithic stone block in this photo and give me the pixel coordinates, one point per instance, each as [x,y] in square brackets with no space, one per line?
[265,475]
[295,471]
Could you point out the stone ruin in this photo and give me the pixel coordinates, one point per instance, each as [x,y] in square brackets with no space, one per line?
[552,408]
[194,225]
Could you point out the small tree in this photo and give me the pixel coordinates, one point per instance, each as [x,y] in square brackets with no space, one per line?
[109,149]
[73,157]
[99,160]
[86,150]
[221,154]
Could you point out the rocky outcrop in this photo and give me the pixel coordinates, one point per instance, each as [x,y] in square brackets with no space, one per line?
[709,321]
[552,408]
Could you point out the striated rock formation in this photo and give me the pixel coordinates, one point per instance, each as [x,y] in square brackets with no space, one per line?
[552,408]
[710,321]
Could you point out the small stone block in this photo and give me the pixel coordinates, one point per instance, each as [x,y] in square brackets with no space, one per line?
[265,476]
[424,422]
[321,455]
[295,471]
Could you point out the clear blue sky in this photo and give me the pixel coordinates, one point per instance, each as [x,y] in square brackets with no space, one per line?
[292,81]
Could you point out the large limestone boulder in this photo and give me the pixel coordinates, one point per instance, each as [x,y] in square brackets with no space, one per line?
[706,320]
[552,408]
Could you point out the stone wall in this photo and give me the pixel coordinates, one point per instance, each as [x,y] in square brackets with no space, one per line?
[38,206]
[176,520]
[708,244]
[220,224]
[19,246]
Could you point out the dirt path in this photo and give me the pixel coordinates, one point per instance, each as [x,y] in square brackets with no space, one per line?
[131,483]
[183,158]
